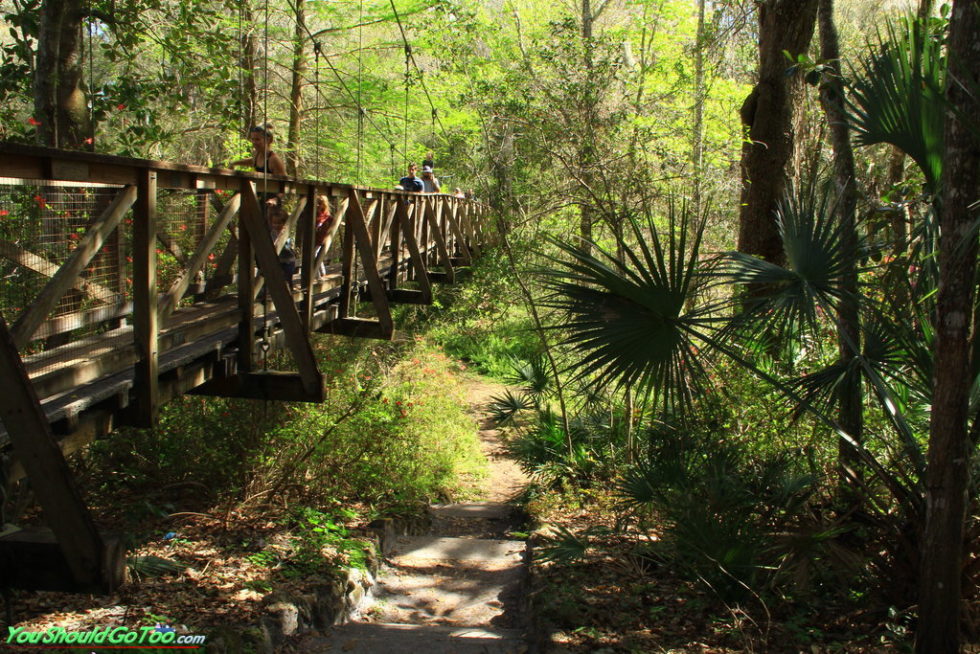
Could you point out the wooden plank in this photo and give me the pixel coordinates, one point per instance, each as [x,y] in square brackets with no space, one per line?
[39,264]
[415,255]
[307,237]
[454,226]
[86,318]
[268,385]
[369,261]
[199,258]
[246,284]
[430,218]
[51,480]
[67,276]
[145,316]
[282,299]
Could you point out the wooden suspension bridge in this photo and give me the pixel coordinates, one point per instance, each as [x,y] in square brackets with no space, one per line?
[129,282]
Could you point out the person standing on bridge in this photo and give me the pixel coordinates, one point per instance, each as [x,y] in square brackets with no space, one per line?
[411,182]
[264,160]
[429,181]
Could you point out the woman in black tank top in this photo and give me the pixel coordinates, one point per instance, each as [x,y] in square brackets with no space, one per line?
[264,160]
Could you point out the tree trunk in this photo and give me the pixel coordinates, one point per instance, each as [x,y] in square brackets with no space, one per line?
[586,153]
[296,92]
[60,104]
[767,113]
[947,470]
[697,140]
[850,413]
[249,49]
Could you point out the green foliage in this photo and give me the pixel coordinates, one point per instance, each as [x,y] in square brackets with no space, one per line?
[897,95]
[632,322]
[718,505]
[390,435]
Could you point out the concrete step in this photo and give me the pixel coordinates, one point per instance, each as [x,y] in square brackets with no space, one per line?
[504,553]
[473,511]
[474,520]
[450,593]
[381,638]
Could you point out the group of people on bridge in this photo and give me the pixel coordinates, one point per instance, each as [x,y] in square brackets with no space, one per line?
[264,160]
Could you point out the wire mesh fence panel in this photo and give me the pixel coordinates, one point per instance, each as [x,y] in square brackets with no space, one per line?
[46,227]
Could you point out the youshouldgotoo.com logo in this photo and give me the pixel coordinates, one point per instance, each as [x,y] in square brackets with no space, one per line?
[159,637]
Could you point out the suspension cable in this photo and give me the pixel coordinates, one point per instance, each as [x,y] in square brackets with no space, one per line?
[345,87]
[360,73]
[408,50]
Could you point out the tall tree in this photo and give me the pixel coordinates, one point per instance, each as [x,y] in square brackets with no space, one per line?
[848,319]
[950,449]
[296,90]
[60,103]
[785,26]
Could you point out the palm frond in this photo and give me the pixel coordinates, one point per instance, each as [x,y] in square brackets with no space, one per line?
[783,300]
[505,408]
[630,320]
[896,96]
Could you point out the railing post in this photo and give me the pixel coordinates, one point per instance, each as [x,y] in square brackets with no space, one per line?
[307,236]
[145,321]
[395,239]
[246,284]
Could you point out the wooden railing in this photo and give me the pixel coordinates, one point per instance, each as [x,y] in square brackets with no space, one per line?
[127,282]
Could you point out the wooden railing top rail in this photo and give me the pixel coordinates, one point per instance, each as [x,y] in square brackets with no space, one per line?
[33,162]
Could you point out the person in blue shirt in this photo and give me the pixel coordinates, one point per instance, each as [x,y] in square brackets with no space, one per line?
[412,182]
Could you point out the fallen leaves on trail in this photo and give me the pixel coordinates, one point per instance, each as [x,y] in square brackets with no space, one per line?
[617,598]
[217,584]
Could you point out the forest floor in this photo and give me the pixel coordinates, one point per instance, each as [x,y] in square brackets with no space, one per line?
[208,571]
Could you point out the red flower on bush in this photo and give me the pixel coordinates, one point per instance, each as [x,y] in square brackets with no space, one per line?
[40,201]
[120,106]
[4,212]
[89,141]
[34,122]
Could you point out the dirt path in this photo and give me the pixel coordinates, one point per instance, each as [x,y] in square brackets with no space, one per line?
[506,479]
[460,588]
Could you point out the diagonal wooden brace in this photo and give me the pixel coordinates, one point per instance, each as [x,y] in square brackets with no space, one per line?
[430,217]
[282,299]
[34,445]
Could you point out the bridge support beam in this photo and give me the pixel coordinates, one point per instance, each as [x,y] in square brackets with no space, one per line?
[86,557]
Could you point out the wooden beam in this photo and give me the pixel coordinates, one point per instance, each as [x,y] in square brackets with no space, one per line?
[68,275]
[268,260]
[40,265]
[268,385]
[145,316]
[280,241]
[338,219]
[307,238]
[407,226]
[456,229]
[431,220]
[199,258]
[246,283]
[362,240]
[52,482]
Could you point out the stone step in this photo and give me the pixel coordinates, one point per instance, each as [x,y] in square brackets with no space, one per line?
[473,511]
[450,593]
[406,549]
[474,520]
[382,638]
